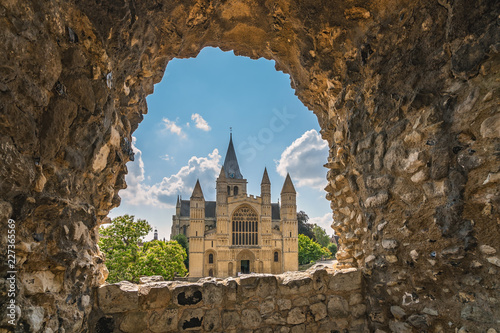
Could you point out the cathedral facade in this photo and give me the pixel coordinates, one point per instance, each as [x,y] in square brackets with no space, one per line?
[239,233]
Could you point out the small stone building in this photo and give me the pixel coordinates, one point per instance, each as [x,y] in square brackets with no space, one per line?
[239,233]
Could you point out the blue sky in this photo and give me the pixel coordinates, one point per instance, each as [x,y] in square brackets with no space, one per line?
[185,135]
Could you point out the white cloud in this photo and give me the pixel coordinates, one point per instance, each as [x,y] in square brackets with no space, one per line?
[171,126]
[164,193]
[324,221]
[166,157]
[304,160]
[200,122]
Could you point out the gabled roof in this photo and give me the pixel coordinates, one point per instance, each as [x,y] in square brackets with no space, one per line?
[231,167]
[275,211]
[288,185]
[210,207]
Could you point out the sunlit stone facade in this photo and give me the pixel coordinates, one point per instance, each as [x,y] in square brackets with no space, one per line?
[239,233]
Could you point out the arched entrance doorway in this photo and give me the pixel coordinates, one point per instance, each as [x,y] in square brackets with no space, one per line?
[245,262]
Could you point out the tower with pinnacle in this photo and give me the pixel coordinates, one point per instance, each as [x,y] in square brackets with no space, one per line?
[238,233]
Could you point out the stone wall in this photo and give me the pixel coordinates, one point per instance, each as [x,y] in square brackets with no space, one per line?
[406,94]
[314,301]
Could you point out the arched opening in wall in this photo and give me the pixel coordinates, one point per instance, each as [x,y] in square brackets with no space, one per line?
[201,105]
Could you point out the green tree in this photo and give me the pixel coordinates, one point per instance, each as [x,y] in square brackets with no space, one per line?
[183,241]
[120,244]
[126,257]
[162,258]
[309,250]
[332,247]
[304,227]
[320,235]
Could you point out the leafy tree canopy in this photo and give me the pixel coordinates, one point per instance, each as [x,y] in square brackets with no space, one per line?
[320,236]
[332,247]
[309,250]
[126,257]
[183,241]
[304,227]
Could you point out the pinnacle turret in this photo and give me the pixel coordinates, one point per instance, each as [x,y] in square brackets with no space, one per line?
[222,175]
[197,192]
[288,185]
[265,178]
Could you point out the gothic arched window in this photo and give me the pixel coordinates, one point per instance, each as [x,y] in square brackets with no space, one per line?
[245,226]
[210,258]
[276,256]
[236,190]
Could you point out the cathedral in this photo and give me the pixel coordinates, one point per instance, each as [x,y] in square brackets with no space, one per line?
[239,233]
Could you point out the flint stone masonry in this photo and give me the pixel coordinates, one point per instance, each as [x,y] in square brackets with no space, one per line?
[406,94]
[338,304]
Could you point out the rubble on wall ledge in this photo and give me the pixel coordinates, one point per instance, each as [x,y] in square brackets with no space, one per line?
[312,301]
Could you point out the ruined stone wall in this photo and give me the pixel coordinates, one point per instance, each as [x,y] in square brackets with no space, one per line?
[316,301]
[406,94]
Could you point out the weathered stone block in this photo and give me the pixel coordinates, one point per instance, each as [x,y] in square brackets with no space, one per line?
[211,320]
[300,301]
[230,319]
[134,322]
[377,200]
[118,297]
[191,319]
[296,283]
[380,182]
[267,307]
[34,317]
[163,320]
[358,310]
[154,295]
[345,280]
[284,304]
[212,294]
[490,127]
[317,298]
[296,316]
[38,282]
[338,307]
[250,318]
[189,294]
[275,319]
[318,310]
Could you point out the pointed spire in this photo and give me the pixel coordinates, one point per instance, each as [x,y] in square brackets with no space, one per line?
[265,178]
[231,166]
[288,185]
[178,201]
[222,175]
[197,192]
